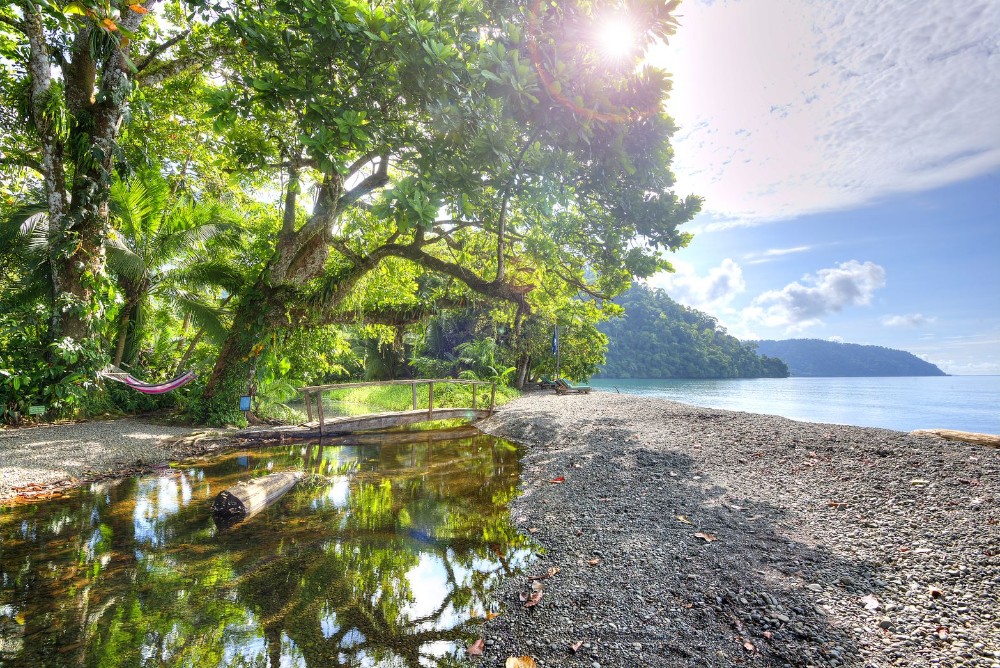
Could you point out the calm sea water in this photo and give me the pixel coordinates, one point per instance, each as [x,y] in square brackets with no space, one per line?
[966,403]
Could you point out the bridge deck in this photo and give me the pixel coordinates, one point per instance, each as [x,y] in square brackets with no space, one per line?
[349,424]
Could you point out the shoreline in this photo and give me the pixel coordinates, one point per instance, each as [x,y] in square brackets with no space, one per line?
[689,536]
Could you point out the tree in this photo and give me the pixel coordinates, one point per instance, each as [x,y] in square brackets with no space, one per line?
[70,74]
[433,133]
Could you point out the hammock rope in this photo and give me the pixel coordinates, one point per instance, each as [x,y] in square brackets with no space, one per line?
[119,376]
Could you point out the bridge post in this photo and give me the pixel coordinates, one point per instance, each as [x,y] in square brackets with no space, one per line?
[319,410]
[475,385]
[430,399]
[493,397]
[413,386]
[309,406]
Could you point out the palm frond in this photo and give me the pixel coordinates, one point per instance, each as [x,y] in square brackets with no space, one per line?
[124,263]
[213,273]
[209,316]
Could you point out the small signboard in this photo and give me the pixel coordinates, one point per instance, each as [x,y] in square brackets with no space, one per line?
[36,410]
[245,402]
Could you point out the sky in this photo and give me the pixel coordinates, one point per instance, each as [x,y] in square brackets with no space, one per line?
[849,157]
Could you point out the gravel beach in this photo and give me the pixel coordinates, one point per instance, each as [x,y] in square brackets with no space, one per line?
[687,536]
[67,453]
[675,535]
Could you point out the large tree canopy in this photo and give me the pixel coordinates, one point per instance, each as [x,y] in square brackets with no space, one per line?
[427,154]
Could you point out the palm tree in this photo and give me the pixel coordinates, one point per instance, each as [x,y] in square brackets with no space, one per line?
[154,256]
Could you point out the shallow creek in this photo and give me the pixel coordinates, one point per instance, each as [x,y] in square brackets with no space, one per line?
[388,559]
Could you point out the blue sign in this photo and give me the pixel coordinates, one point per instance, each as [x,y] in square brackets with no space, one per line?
[245,402]
[555,340]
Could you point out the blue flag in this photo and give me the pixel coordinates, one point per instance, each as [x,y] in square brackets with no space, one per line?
[555,340]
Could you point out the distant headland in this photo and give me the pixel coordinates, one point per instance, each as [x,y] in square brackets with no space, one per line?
[815,357]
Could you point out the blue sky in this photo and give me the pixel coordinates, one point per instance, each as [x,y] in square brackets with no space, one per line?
[849,156]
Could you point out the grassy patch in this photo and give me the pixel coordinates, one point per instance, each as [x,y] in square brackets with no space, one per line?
[400,397]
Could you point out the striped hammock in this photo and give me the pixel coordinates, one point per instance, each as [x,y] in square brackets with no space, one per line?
[126,378]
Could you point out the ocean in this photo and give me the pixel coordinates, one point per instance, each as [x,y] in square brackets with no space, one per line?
[965,403]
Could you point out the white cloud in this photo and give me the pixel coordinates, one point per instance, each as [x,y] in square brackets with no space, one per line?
[908,320]
[773,253]
[835,339]
[801,305]
[790,106]
[711,292]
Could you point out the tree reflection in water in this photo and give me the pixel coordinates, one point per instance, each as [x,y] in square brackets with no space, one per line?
[391,564]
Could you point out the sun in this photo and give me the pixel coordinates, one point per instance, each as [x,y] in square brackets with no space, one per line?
[617,37]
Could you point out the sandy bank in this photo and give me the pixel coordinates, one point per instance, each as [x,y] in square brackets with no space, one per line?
[62,455]
[689,536]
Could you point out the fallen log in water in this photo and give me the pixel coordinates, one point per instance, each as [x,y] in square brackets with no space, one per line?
[991,440]
[252,496]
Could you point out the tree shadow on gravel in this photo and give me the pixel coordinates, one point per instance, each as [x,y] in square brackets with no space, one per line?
[662,566]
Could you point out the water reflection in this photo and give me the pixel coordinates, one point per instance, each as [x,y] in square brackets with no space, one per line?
[390,564]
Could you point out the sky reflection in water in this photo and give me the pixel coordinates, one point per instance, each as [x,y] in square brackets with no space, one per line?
[391,564]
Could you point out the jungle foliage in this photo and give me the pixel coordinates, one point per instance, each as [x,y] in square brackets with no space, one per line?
[278,194]
[659,338]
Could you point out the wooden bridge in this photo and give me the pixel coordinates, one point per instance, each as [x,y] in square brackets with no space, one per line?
[319,423]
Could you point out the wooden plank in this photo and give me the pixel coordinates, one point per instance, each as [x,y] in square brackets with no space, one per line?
[430,400]
[319,410]
[413,386]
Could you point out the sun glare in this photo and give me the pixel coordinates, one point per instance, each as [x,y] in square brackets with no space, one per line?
[616,38]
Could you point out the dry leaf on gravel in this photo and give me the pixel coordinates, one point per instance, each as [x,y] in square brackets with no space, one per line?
[520,662]
[492,615]
[533,530]
[870,602]
[575,646]
[476,648]
[594,561]
[768,635]
[684,519]
[533,599]
[707,537]
[748,646]
[536,586]
[560,479]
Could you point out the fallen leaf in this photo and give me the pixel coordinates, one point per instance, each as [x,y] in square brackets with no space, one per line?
[533,600]
[768,635]
[537,586]
[594,561]
[492,615]
[870,602]
[576,465]
[748,646]
[476,648]
[533,530]
[575,646]
[520,662]
[684,519]
[920,481]
[553,570]
[707,537]
[558,480]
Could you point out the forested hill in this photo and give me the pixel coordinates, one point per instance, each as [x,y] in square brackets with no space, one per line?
[659,338]
[814,357]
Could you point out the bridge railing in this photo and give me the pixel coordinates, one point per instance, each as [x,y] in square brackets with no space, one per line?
[316,392]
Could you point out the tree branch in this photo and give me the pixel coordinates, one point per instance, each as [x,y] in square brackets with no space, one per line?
[148,60]
[376,180]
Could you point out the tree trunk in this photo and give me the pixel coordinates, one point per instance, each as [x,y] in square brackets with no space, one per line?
[524,366]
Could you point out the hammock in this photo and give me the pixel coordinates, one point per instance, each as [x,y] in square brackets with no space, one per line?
[126,378]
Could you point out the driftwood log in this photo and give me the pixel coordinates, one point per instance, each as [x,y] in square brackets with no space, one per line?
[252,496]
[991,440]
